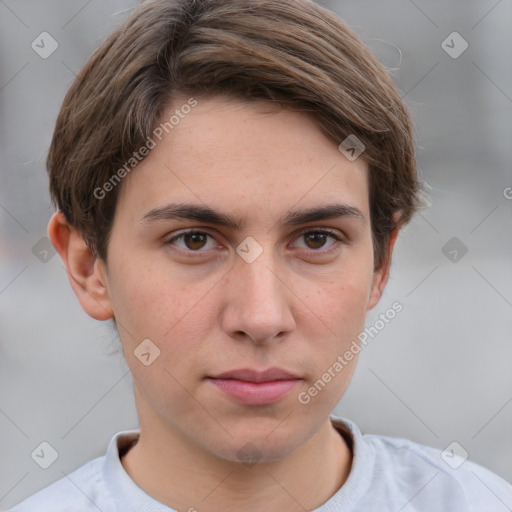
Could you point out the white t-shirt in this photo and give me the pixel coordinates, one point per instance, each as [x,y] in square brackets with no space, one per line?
[387,474]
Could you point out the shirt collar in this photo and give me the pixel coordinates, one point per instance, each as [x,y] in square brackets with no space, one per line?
[361,473]
[126,493]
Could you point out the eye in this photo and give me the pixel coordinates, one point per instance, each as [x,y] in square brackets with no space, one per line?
[193,240]
[316,239]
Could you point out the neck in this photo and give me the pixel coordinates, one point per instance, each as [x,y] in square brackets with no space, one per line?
[182,476]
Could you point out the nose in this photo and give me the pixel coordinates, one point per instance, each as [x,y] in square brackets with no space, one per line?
[259,300]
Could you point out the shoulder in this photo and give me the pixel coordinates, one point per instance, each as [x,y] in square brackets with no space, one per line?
[448,476]
[391,473]
[84,490]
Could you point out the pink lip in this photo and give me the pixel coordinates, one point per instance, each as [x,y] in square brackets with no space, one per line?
[250,387]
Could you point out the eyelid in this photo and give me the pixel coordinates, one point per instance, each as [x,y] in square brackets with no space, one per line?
[319,229]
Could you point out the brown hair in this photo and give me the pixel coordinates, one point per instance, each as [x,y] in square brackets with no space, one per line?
[294,52]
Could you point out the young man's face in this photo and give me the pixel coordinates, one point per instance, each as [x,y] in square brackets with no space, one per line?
[212,303]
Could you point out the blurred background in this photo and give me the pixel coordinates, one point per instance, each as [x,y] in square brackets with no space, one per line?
[439,372]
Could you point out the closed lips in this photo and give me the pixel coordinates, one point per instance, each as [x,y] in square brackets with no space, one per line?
[249,375]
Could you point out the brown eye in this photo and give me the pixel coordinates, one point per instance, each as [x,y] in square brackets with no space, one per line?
[316,240]
[193,241]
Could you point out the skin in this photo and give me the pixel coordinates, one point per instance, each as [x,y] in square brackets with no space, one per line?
[297,306]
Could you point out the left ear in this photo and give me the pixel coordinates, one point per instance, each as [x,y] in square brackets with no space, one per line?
[381,275]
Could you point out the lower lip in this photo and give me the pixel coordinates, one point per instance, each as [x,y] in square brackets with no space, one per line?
[255,393]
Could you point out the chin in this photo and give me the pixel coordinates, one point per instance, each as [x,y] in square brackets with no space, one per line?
[250,448]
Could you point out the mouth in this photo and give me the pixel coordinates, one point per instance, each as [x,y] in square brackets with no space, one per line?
[252,387]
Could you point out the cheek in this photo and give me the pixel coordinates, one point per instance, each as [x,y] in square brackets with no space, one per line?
[150,302]
[344,312]
[149,307]
[333,343]
[341,301]
[143,290]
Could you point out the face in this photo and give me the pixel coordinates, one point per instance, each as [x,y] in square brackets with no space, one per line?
[254,294]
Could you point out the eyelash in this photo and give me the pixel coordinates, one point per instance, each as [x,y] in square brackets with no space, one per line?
[190,252]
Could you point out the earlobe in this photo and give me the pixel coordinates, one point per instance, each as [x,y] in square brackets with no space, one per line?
[86,273]
[381,275]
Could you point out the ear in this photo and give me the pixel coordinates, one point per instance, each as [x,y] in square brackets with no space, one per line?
[87,274]
[381,275]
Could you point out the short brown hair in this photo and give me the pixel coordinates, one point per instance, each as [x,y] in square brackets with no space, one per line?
[293,52]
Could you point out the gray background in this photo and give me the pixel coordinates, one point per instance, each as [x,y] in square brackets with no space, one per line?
[439,372]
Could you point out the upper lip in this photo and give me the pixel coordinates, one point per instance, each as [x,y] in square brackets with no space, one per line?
[249,375]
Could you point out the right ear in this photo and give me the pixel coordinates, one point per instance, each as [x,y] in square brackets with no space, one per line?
[87,274]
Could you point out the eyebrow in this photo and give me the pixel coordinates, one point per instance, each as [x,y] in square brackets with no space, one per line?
[206,214]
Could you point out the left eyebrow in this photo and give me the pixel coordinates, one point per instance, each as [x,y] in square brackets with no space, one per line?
[206,214]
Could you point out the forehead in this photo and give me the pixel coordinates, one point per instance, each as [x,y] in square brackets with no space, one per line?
[246,157]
